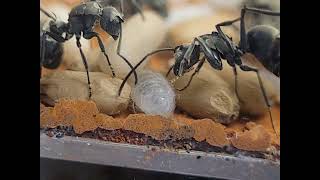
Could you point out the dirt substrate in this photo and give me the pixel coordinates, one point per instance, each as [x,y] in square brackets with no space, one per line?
[82,118]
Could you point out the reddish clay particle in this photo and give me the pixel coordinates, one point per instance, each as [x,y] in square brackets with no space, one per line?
[255,139]
[84,116]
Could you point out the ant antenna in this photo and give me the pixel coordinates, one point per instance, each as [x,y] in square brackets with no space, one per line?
[140,62]
[54,15]
[47,14]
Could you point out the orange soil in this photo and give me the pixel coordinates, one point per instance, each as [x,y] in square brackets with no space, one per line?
[84,116]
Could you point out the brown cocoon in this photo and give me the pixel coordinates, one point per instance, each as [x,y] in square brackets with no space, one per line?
[208,96]
[73,85]
[211,93]
[252,101]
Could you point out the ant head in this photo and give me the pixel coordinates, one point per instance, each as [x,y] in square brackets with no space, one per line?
[58,27]
[111,21]
[181,65]
[262,39]
[53,54]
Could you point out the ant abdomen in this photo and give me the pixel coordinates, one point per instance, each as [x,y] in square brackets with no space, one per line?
[262,40]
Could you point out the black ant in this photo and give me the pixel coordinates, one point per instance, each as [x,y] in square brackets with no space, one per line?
[82,19]
[215,47]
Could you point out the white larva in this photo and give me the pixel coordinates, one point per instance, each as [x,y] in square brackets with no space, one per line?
[154,95]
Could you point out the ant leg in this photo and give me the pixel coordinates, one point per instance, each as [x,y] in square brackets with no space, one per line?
[84,60]
[236,82]
[140,62]
[186,58]
[247,68]
[47,14]
[90,35]
[121,7]
[194,73]
[212,56]
[169,70]
[243,34]
[118,53]
[261,11]
[55,37]
[226,23]
[42,51]
[138,8]
[189,51]
[134,107]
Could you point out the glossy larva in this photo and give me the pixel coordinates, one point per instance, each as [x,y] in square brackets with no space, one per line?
[154,95]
